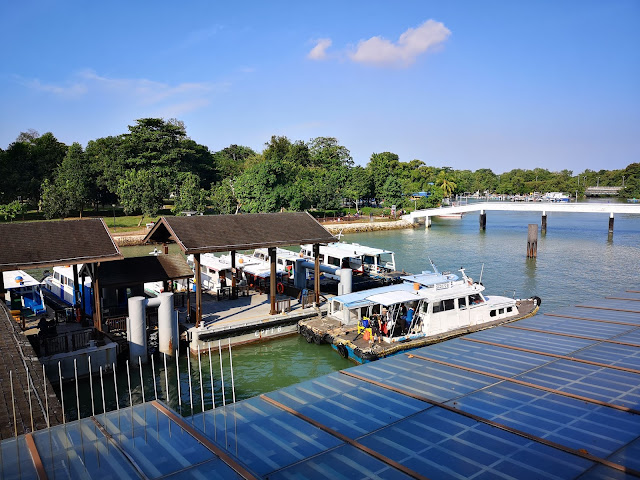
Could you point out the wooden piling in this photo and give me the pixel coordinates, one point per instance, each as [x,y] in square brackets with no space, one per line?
[543,227]
[611,223]
[483,220]
[532,241]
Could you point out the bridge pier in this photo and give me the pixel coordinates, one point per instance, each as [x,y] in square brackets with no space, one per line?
[611,222]
[532,241]
[483,220]
[543,227]
[427,222]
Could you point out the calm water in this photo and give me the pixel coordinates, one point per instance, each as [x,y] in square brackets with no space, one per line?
[577,260]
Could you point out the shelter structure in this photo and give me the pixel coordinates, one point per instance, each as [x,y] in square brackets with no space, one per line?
[229,233]
[62,242]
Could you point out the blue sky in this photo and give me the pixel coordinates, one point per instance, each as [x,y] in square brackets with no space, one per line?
[466,84]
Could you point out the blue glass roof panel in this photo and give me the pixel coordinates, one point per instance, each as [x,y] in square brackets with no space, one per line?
[347,405]
[443,444]
[600,383]
[343,463]
[15,461]
[488,358]
[79,449]
[157,444]
[573,326]
[596,314]
[544,342]
[597,429]
[437,382]
[265,437]
[628,455]
[611,354]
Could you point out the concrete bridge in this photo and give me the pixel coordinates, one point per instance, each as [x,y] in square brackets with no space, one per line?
[420,216]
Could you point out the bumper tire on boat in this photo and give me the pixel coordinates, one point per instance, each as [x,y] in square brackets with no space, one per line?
[342,350]
[537,300]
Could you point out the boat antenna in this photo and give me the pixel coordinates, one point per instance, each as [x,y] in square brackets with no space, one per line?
[340,234]
[481,272]
[435,269]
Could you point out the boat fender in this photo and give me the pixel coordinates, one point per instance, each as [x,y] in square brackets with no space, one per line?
[342,350]
[280,288]
[537,301]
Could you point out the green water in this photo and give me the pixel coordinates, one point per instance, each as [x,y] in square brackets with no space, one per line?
[577,261]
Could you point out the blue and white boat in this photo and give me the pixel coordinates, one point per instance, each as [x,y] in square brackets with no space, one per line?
[60,283]
[20,285]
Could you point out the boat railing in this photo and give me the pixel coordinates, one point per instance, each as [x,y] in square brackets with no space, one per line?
[283,305]
[66,343]
[116,324]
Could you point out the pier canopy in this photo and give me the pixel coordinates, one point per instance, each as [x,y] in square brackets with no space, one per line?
[136,270]
[62,242]
[223,233]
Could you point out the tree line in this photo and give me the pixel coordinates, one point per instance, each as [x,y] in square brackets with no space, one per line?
[156,160]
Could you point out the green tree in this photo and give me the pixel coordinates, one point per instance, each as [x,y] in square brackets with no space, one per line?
[230,161]
[223,198]
[190,197]
[359,185]
[446,184]
[381,166]
[392,192]
[143,191]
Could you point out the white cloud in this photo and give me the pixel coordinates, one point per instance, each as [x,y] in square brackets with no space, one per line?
[411,44]
[319,52]
[186,96]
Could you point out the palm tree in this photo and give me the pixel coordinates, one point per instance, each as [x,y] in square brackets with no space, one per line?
[446,184]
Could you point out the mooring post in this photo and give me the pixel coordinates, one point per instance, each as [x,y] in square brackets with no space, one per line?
[611,222]
[483,220]
[543,227]
[272,280]
[532,241]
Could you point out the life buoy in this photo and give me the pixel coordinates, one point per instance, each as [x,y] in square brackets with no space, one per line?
[342,350]
[280,288]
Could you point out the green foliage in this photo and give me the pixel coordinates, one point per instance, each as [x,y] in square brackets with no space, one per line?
[223,198]
[190,197]
[142,191]
[12,210]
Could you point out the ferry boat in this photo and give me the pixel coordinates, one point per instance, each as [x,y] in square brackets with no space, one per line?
[60,283]
[375,262]
[24,291]
[425,308]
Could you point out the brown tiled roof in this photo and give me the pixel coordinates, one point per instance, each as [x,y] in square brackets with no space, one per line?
[61,242]
[222,233]
[136,270]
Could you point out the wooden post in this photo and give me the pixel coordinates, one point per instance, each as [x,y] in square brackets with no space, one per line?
[483,220]
[611,222]
[233,269]
[196,267]
[76,286]
[543,227]
[272,280]
[316,272]
[532,241]
[165,249]
[97,300]
[189,298]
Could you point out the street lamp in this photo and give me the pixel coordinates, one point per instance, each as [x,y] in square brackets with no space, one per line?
[113,205]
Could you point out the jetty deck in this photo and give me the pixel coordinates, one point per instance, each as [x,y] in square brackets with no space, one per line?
[553,396]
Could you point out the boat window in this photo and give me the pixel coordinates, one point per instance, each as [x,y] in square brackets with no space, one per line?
[475,299]
[425,307]
[501,311]
[449,304]
[509,309]
[437,307]
[56,275]
[462,303]
[368,259]
[493,313]
[333,261]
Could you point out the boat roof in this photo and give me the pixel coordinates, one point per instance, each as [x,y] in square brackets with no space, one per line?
[391,294]
[18,279]
[357,249]
[427,278]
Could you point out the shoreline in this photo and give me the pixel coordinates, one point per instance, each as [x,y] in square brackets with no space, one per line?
[134,239]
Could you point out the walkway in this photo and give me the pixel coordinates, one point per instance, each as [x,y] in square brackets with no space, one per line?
[542,207]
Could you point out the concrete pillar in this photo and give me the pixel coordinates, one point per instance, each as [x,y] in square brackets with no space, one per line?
[167,327]
[137,330]
[346,280]
[427,222]
[611,222]
[272,281]
[483,220]
[532,241]
[300,274]
[543,227]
